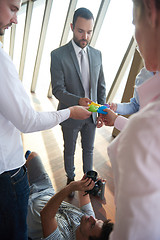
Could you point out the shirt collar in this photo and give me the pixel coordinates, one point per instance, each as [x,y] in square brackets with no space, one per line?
[77,48]
[1,45]
[149,90]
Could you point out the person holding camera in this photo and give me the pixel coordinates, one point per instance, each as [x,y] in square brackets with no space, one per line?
[50,217]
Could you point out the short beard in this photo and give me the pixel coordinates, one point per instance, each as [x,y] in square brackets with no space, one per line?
[78,42]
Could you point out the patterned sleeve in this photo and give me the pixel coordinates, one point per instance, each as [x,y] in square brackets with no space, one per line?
[55,235]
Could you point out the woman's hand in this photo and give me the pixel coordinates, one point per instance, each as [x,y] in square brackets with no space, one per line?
[109,118]
[99,122]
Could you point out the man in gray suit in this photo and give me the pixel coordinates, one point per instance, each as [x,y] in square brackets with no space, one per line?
[71,87]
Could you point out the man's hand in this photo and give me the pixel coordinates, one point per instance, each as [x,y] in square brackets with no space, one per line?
[113,106]
[109,118]
[84,101]
[99,122]
[88,185]
[78,112]
[84,184]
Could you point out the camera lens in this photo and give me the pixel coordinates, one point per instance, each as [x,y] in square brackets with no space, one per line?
[92,174]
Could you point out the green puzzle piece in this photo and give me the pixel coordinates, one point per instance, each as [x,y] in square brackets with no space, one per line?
[93,108]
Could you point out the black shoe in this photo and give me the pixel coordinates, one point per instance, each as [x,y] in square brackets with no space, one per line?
[71,195]
[27,154]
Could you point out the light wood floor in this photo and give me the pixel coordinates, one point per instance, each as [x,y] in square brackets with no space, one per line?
[49,145]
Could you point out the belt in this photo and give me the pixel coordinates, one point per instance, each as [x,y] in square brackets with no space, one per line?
[13,172]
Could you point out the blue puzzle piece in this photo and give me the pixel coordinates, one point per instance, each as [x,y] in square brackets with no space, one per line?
[100,109]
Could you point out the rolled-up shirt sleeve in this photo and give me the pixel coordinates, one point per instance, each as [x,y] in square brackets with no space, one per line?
[120,122]
[87,209]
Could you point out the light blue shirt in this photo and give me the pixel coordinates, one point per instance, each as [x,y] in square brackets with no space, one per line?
[133,106]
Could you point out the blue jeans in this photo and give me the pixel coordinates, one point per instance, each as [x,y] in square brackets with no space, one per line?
[14,194]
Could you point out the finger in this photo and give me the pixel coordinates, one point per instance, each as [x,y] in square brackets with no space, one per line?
[106,110]
[91,185]
[99,125]
[88,182]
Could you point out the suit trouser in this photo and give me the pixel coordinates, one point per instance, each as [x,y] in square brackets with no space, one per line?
[87,131]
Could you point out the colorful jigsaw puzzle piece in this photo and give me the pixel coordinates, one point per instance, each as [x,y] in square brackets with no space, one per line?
[100,110]
[94,107]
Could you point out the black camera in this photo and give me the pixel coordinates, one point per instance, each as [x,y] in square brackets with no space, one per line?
[99,186]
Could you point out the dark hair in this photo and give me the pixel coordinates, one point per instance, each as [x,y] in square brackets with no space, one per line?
[158,4]
[106,230]
[82,12]
[140,2]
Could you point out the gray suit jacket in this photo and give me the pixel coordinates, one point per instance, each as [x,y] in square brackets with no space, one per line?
[66,79]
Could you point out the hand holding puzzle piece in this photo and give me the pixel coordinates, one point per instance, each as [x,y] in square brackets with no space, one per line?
[94,107]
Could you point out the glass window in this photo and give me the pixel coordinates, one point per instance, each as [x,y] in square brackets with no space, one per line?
[119,94]
[53,37]
[35,29]
[92,5]
[114,38]
[54,33]
[19,36]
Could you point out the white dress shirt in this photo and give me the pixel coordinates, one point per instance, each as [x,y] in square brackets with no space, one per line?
[17,115]
[135,159]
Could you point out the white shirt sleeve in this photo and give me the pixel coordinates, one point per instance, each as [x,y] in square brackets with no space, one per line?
[15,104]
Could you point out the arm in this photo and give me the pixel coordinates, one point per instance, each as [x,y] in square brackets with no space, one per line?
[48,213]
[133,106]
[127,108]
[112,119]
[16,106]
[78,112]
[137,181]
[83,198]
[65,86]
